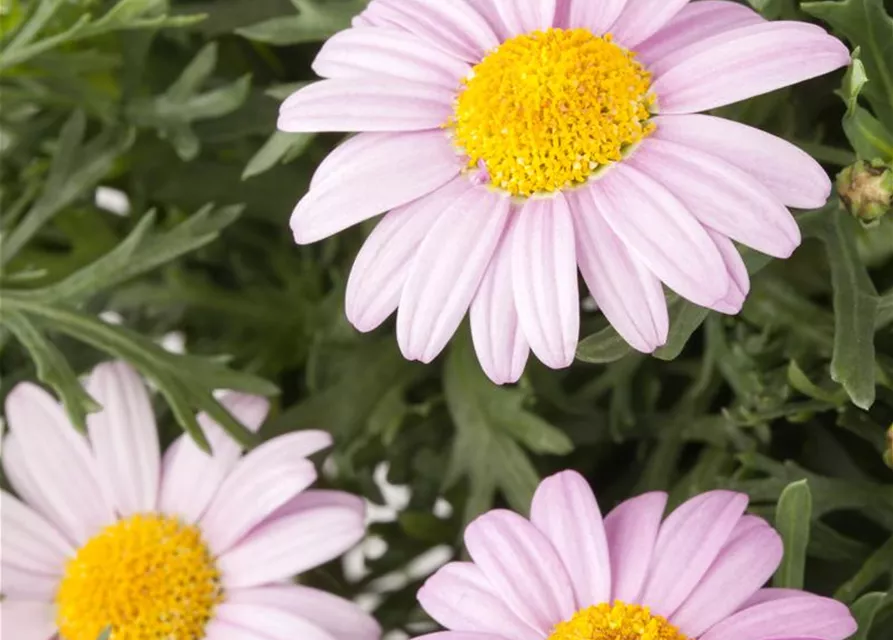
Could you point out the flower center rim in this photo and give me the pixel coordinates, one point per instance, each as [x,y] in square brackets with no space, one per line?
[144,576]
[548,110]
[616,621]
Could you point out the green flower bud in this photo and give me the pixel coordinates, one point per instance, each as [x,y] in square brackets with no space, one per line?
[866,189]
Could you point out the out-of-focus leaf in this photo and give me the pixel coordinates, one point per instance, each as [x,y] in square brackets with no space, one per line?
[52,367]
[280,147]
[603,347]
[879,564]
[793,518]
[868,26]
[865,609]
[316,20]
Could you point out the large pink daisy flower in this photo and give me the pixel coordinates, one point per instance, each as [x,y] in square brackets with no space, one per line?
[108,534]
[515,141]
[566,574]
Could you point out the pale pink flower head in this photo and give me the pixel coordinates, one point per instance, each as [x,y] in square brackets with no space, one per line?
[566,574]
[107,533]
[515,142]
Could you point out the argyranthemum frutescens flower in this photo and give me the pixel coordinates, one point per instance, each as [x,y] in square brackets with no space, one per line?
[515,141]
[105,533]
[566,574]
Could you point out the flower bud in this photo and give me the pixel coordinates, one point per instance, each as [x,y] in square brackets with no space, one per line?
[866,189]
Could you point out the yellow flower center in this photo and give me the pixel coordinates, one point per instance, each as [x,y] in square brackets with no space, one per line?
[616,622]
[544,111]
[146,577]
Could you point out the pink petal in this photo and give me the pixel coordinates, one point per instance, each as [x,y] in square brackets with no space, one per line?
[629,295]
[742,567]
[261,482]
[270,622]
[745,62]
[28,620]
[452,25]
[631,530]
[59,463]
[598,17]
[460,598]
[369,51]
[523,567]
[641,19]
[491,14]
[348,159]
[124,438]
[397,170]
[286,546]
[339,617]
[788,172]
[689,541]
[20,478]
[544,270]
[498,340]
[720,195]
[460,635]
[525,16]
[663,234]
[383,264]
[219,630]
[566,512]
[447,271]
[366,104]
[29,541]
[23,584]
[319,498]
[695,22]
[190,477]
[739,279]
[768,595]
[806,615]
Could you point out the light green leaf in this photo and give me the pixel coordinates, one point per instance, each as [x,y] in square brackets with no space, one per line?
[793,519]
[278,148]
[603,347]
[865,609]
[866,25]
[853,82]
[876,566]
[52,368]
[316,21]
[867,135]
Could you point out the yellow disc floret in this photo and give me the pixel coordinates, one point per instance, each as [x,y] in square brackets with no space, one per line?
[546,110]
[149,577]
[616,622]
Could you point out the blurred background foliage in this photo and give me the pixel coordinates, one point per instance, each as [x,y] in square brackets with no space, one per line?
[145,198]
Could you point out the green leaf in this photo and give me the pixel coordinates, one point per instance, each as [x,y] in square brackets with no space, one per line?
[876,566]
[280,147]
[866,25]
[793,518]
[855,311]
[865,609]
[316,21]
[603,347]
[854,81]
[52,368]
[491,425]
[867,135]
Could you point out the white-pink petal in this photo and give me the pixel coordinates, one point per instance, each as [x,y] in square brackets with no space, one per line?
[370,51]
[631,529]
[523,567]
[640,19]
[341,618]
[366,104]
[269,622]
[689,541]
[377,178]
[743,63]
[598,17]
[663,234]
[23,584]
[525,16]
[190,477]
[446,272]
[28,619]
[720,195]
[544,278]
[788,172]
[460,598]
[566,512]
[288,545]
[696,21]
[803,615]
[124,438]
[630,296]
[499,343]
[739,279]
[58,462]
[29,541]
[383,263]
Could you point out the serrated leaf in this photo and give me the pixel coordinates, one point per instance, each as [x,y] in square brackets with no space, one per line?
[316,21]
[793,519]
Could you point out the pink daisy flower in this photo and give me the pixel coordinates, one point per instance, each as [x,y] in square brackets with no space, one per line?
[514,142]
[106,533]
[566,574]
